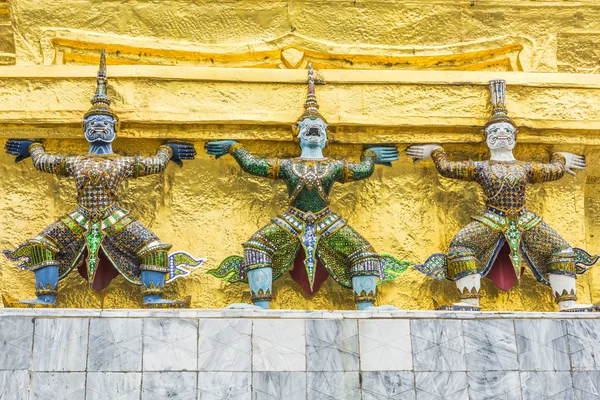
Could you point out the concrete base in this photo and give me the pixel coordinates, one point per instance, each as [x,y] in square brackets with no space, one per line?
[234,354]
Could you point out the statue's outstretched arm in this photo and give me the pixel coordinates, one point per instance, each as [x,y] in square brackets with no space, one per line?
[561,162]
[372,155]
[268,168]
[53,164]
[463,170]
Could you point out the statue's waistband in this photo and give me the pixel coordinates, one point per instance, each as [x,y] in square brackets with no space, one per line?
[97,215]
[309,216]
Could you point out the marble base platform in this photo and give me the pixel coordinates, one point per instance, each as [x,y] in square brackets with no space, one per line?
[264,355]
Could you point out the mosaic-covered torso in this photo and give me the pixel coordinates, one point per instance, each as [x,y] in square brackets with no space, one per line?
[308,182]
[503,183]
[99,178]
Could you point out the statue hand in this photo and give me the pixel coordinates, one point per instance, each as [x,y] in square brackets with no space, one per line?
[19,148]
[573,161]
[386,155]
[421,152]
[218,148]
[181,151]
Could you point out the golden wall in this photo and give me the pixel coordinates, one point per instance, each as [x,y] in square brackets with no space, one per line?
[390,72]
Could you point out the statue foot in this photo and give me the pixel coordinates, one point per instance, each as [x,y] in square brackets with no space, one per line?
[244,306]
[582,308]
[163,303]
[11,302]
[459,307]
[371,307]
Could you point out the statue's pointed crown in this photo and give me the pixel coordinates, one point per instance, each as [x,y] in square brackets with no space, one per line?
[101,101]
[311,107]
[499,111]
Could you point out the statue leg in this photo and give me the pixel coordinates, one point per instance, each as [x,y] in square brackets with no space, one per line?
[153,273]
[554,257]
[463,264]
[365,291]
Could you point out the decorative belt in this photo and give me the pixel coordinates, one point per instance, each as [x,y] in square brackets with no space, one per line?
[507,213]
[309,216]
[97,215]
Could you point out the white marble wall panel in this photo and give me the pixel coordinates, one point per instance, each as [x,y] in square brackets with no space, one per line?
[224,386]
[115,344]
[225,345]
[332,345]
[169,385]
[60,344]
[388,385]
[441,385]
[496,385]
[170,344]
[490,345]
[584,344]
[438,345]
[113,386]
[57,386]
[329,385]
[385,345]
[279,386]
[14,385]
[586,385]
[279,345]
[543,345]
[555,385]
[16,338]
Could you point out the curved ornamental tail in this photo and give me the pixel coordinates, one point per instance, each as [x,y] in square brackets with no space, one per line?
[181,264]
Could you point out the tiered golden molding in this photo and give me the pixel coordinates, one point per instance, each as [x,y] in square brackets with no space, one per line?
[362,106]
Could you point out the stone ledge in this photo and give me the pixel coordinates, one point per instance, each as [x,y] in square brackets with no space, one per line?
[284,314]
[351,355]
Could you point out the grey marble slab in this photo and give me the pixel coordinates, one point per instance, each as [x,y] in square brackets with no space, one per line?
[16,338]
[279,386]
[60,344]
[441,385]
[224,386]
[279,345]
[385,345]
[170,345]
[494,385]
[113,386]
[542,345]
[330,385]
[388,385]
[14,385]
[586,385]
[438,345]
[224,345]
[57,386]
[584,344]
[331,345]
[490,345]
[555,385]
[115,345]
[169,385]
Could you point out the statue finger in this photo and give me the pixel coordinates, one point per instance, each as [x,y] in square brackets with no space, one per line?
[569,171]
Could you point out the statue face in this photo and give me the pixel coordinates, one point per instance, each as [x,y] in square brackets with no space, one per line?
[99,128]
[501,135]
[312,133]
